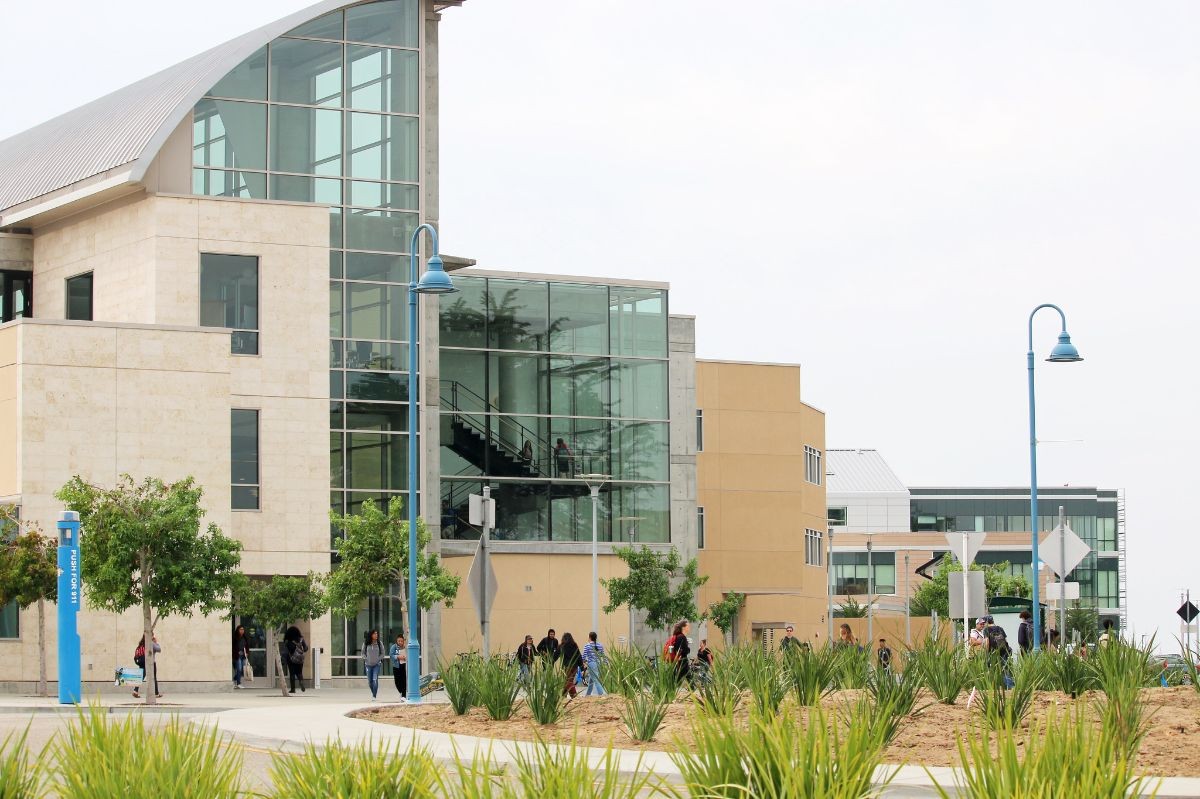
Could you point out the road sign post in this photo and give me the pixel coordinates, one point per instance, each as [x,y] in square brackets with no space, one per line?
[482,577]
[965,551]
[1188,612]
[1063,550]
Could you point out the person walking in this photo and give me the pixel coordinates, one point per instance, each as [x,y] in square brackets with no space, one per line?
[704,654]
[399,656]
[562,458]
[680,650]
[297,649]
[884,655]
[593,656]
[526,652]
[548,647]
[788,641]
[1025,632]
[372,655]
[845,638]
[571,660]
[241,653]
[139,658]
[976,641]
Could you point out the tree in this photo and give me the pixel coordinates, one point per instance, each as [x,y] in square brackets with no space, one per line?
[278,602]
[373,554]
[935,594]
[1084,620]
[142,546]
[648,586]
[724,613]
[28,574]
[851,609]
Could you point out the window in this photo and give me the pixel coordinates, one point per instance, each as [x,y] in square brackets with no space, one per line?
[812,465]
[16,294]
[79,297]
[700,528]
[699,430]
[10,614]
[229,298]
[837,517]
[812,547]
[850,573]
[243,456]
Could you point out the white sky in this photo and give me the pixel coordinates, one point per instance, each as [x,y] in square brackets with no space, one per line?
[878,191]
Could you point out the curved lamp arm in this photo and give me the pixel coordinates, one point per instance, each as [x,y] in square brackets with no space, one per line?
[1061,315]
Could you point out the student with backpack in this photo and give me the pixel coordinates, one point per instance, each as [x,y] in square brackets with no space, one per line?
[677,649]
[139,659]
[297,648]
[1025,632]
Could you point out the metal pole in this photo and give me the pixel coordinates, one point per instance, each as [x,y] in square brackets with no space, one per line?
[966,595]
[485,623]
[829,588]
[907,607]
[1062,578]
[1187,626]
[870,594]
[595,492]
[414,645]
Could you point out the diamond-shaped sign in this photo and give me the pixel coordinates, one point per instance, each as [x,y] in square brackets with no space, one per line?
[482,582]
[1059,543]
[973,542]
[1187,611]
[976,595]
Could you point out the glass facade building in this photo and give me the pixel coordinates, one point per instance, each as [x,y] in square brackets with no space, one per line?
[542,383]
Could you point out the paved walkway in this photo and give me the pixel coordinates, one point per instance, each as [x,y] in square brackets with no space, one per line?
[264,719]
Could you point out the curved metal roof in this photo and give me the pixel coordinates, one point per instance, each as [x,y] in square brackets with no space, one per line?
[128,126]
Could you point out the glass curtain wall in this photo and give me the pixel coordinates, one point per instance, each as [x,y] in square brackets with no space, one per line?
[330,113]
[543,383]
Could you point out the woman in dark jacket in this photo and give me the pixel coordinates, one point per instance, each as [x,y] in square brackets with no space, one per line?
[241,652]
[681,649]
[296,649]
[571,659]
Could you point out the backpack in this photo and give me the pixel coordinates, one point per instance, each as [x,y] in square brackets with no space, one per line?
[298,651]
[139,656]
[997,639]
[668,650]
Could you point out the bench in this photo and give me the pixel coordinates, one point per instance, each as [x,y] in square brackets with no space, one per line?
[127,674]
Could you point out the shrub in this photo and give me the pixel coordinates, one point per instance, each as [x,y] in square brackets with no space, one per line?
[459,677]
[898,693]
[642,716]
[942,669]
[854,664]
[719,694]
[767,682]
[664,682]
[99,757]
[811,673]
[362,771]
[1005,707]
[479,778]
[497,687]
[626,671]
[544,691]
[17,779]
[553,771]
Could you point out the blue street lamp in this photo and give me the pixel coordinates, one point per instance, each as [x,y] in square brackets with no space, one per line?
[1064,352]
[434,281]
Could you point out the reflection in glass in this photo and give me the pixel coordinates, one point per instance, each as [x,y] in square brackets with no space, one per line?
[382,79]
[383,147]
[517,314]
[335,264]
[522,511]
[517,383]
[385,418]
[579,386]
[404,196]
[229,134]
[642,451]
[243,458]
[380,355]
[229,295]
[376,311]
[375,461]
[79,297]
[463,380]
[335,309]
[376,266]
[306,140]
[246,81]
[336,459]
[462,314]
[638,321]
[641,389]
[296,188]
[226,183]
[578,318]
[389,231]
[392,22]
[642,514]
[571,513]
[382,386]
[305,72]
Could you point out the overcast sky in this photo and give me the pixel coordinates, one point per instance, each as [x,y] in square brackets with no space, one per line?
[880,192]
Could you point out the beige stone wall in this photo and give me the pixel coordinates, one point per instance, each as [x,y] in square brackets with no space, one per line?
[756,502]
[536,592]
[9,410]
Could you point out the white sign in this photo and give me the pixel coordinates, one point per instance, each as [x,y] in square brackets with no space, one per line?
[482,582]
[973,542]
[976,601]
[481,511]
[1060,543]
[1054,591]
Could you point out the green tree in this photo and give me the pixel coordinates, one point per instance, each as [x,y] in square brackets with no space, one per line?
[278,602]
[648,586]
[852,609]
[143,546]
[373,555]
[934,594]
[1084,620]
[724,613]
[29,574]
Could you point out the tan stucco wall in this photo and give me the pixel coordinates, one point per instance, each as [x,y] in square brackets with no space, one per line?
[756,502]
[536,592]
[112,396]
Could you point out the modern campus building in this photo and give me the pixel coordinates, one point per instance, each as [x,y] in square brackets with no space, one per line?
[886,538]
[205,273]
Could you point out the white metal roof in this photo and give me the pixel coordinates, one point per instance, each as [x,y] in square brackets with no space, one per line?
[858,471]
[128,126]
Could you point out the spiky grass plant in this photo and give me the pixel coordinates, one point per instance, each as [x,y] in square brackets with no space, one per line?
[563,771]
[460,679]
[664,683]
[719,694]
[854,665]
[898,692]
[17,779]
[642,716]
[626,671]
[497,686]
[360,771]
[1064,755]
[1069,673]
[544,691]
[101,757]
[811,673]
[734,662]
[1005,707]
[943,669]
[767,681]
[1117,664]
[477,778]
[774,757]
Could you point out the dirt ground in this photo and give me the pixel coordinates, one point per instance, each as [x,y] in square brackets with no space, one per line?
[930,737]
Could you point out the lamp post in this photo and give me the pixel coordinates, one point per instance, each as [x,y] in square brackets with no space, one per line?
[433,281]
[1064,352]
[594,481]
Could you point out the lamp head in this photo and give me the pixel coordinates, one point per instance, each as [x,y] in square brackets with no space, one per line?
[435,280]
[1064,351]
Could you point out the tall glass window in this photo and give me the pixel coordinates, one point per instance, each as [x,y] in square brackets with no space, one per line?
[229,298]
[243,457]
[79,297]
